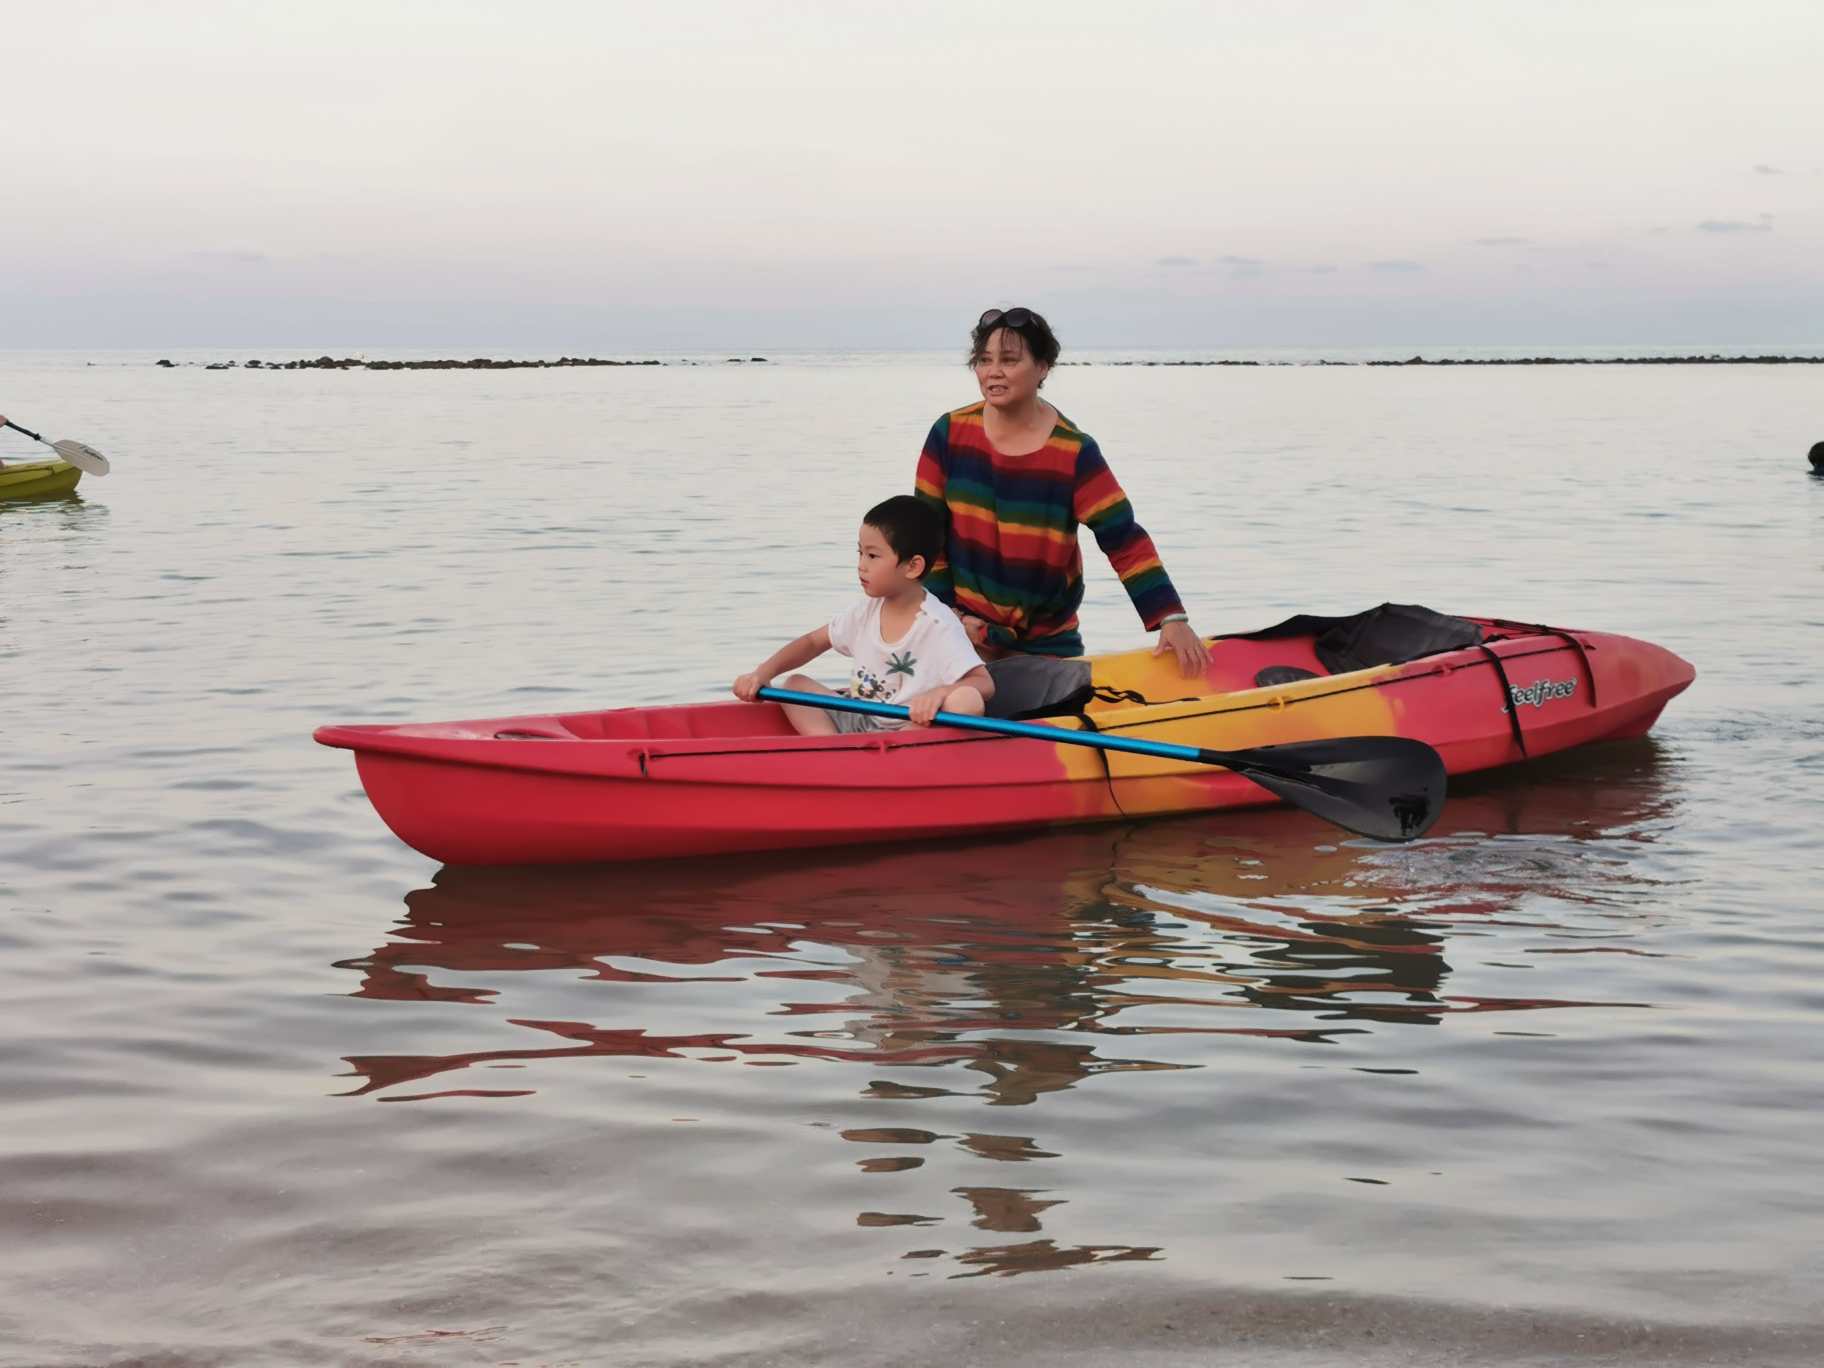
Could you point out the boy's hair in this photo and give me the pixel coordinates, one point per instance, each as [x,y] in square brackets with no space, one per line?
[911,526]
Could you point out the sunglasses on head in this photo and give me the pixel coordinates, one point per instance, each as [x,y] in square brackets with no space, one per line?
[1012,318]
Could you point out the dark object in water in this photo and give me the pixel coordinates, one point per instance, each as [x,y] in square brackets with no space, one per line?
[1817,456]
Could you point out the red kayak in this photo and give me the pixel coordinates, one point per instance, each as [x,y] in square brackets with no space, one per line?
[641,783]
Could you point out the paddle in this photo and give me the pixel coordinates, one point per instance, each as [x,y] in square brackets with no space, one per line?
[1388,787]
[78,454]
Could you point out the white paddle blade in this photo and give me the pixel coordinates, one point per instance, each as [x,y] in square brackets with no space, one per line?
[83,457]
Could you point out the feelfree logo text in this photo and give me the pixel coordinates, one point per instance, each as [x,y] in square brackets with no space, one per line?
[1538,694]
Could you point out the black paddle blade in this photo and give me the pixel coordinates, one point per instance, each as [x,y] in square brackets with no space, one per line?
[1390,788]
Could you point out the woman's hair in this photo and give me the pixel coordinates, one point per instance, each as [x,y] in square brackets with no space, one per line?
[911,526]
[1036,332]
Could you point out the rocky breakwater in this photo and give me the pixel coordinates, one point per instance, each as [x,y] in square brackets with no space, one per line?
[361,363]
[477,363]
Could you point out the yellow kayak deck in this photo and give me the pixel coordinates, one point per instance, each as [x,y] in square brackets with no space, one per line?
[32,479]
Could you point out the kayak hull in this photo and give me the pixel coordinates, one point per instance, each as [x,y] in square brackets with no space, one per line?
[34,479]
[644,783]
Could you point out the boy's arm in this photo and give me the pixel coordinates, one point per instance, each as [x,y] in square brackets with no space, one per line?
[969,696]
[788,657]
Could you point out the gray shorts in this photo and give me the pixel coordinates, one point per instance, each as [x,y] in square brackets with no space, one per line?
[851,724]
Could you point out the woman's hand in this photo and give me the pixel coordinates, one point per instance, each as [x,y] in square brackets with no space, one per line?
[1181,641]
[749,685]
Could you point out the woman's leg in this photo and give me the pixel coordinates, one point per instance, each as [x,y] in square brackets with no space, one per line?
[806,720]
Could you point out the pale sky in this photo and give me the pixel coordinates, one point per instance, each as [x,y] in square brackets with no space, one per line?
[614,176]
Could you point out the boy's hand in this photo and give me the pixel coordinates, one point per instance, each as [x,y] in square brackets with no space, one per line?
[749,685]
[924,707]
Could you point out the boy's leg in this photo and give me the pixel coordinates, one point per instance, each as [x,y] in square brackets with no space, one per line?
[806,720]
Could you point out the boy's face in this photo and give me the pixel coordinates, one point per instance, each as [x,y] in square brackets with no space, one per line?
[882,573]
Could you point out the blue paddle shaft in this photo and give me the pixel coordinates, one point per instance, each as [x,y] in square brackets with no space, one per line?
[1389,788]
[1038,731]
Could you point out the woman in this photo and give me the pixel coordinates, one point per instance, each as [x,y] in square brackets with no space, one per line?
[1014,478]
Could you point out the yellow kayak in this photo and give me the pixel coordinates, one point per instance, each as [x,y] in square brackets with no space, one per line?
[29,479]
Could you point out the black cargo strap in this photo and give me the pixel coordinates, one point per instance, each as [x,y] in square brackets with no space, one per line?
[1108,775]
[1508,706]
[1108,695]
[1583,654]
[1540,629]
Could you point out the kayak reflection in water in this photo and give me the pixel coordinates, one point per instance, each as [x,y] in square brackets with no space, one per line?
[980,955]
[1014,478]
[926,991]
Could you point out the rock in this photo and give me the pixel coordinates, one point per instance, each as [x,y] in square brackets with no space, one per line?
[1817,456]
[166,363]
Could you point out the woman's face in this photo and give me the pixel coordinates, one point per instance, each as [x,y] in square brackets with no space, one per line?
[1007,373]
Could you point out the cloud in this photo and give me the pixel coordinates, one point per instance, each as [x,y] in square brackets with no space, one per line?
[1503,242]
[1736,225]
[1395,266]
[1766,170]
[1243,268]
[243,258]
[1177,261]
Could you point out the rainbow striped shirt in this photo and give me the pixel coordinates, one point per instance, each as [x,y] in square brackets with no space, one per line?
[1011,556]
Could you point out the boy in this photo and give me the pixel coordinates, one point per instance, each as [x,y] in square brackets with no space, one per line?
[908,648]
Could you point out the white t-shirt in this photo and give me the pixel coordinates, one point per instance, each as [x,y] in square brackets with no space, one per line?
[934,652]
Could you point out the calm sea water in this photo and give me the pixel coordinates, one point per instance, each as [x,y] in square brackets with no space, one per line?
[275,1090]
